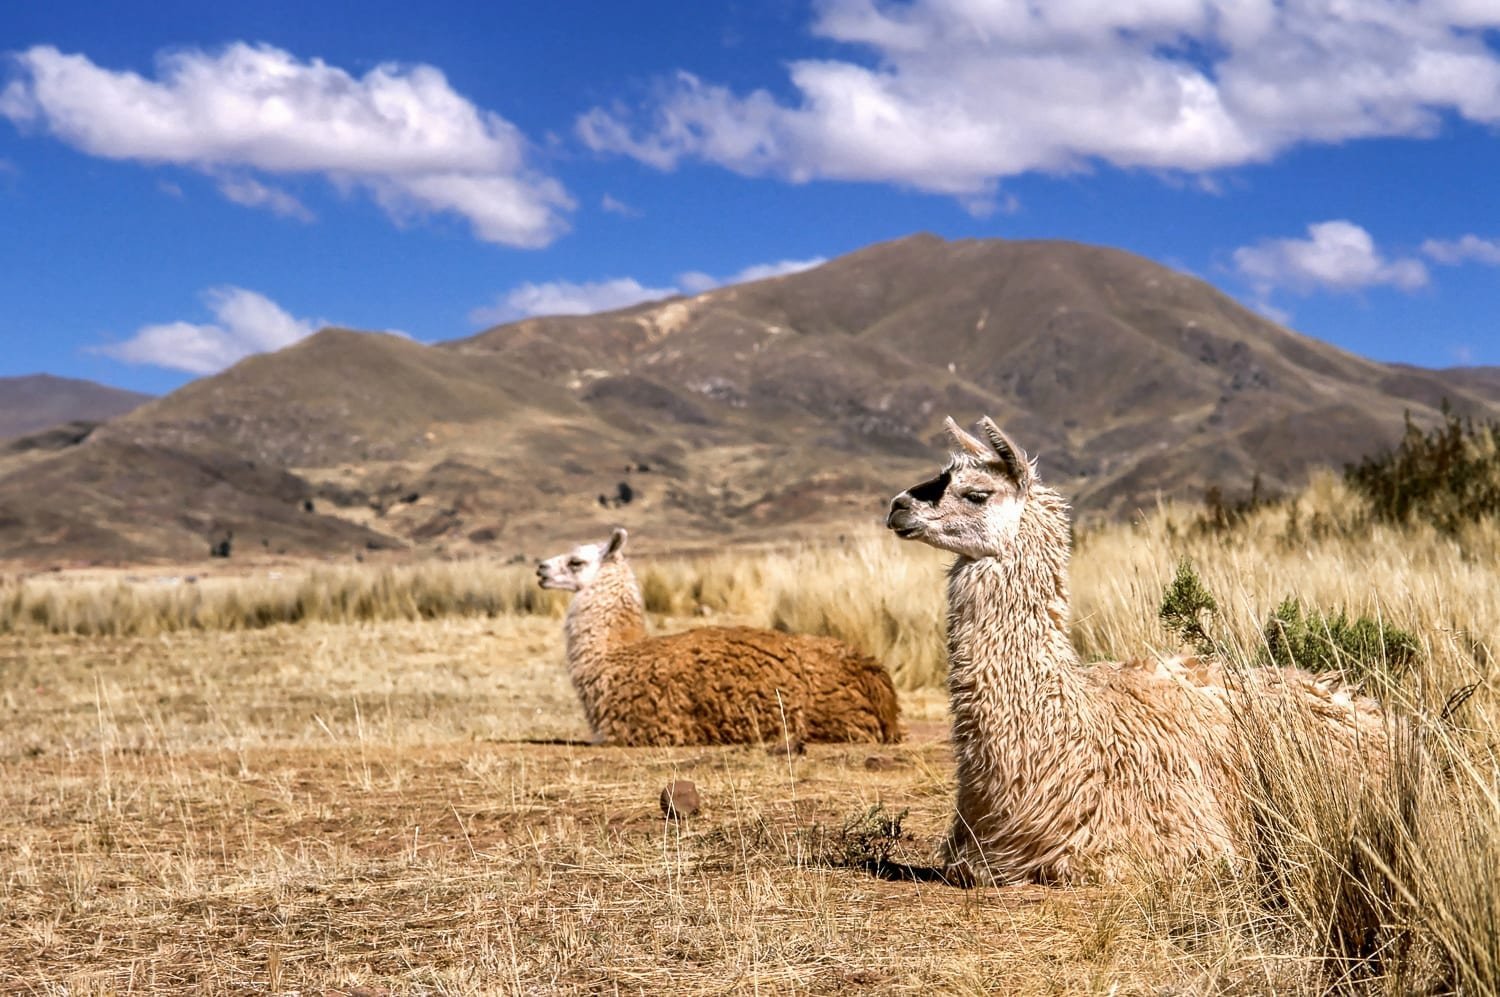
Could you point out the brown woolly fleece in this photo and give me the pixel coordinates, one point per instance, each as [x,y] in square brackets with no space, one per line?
[1066,772]
[711,685]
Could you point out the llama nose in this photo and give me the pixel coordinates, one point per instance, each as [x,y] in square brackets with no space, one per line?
[901,503]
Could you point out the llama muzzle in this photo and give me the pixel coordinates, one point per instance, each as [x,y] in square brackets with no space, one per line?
[900,520]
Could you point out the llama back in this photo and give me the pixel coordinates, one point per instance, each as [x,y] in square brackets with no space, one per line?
[1223,717]
[706,686]
[736,685]
[837,693]
[854,695]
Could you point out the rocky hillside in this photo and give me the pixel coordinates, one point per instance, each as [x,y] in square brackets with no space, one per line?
[787,406]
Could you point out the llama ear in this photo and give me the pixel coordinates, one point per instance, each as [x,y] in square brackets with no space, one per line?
[616,542]
[966,443]
[1011,456]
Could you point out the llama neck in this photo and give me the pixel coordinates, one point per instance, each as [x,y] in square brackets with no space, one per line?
[1013,672]
[606,615]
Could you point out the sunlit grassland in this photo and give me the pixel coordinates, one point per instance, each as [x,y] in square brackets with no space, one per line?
[332,779]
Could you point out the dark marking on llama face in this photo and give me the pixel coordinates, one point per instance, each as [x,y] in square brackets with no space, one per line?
[903,519]
[931,491]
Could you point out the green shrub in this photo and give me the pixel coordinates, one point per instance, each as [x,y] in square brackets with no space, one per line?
[1186,605]
[1446,476]
[1361,648]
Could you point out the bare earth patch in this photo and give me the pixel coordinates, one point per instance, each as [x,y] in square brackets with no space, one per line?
[357,809]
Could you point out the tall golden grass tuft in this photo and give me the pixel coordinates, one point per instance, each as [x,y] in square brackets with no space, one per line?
[1370,880]
[1372,884]
[321,595]
[886,600]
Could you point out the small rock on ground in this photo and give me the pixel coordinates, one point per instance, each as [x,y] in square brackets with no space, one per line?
[680,799]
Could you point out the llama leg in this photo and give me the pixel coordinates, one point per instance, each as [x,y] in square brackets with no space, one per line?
[956,853]
[962,856]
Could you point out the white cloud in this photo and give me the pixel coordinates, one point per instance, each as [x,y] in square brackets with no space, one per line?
[399,131]
[563,297]
[253,194]
[244,323]
[696,281]
[615,206]
[960,93]
[1453,252]
[1278,315]
[1336,255]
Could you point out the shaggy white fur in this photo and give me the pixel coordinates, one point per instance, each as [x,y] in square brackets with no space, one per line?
[1068,772]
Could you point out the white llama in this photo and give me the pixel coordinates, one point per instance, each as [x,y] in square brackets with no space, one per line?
[1068,772]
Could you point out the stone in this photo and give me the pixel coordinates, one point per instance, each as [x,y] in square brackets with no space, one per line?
[680,799]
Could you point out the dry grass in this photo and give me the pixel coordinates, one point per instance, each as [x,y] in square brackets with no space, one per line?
[149,605]
[895,609]
[500,869]
[326,807]
[1391,887]
[213,801]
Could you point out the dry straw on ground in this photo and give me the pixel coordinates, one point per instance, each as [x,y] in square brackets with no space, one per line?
[362,778]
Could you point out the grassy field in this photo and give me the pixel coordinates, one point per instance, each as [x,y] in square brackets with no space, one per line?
[377,780]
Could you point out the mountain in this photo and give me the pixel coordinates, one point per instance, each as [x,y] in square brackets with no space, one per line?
[1481,380]
[1128,379]
[41,401]
[788,406]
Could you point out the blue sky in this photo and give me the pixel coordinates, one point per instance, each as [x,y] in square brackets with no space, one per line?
[183,183]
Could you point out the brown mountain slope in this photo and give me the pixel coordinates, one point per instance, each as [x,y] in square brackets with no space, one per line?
[335,397]
[41,401]
[778,407]
[1482,380]
[301,451]
[1125,377]
[106,501]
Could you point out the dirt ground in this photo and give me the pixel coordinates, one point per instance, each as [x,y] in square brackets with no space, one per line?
[413,808]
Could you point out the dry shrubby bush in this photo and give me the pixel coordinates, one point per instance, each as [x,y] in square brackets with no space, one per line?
[867,839]
[1447,476]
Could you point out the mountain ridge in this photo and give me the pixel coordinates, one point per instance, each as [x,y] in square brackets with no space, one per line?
[34,402]
[783,407]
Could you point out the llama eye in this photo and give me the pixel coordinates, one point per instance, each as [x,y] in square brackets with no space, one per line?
[978,498]
[575,563]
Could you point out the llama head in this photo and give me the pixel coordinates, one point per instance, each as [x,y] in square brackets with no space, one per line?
[973,506]
[577,569]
